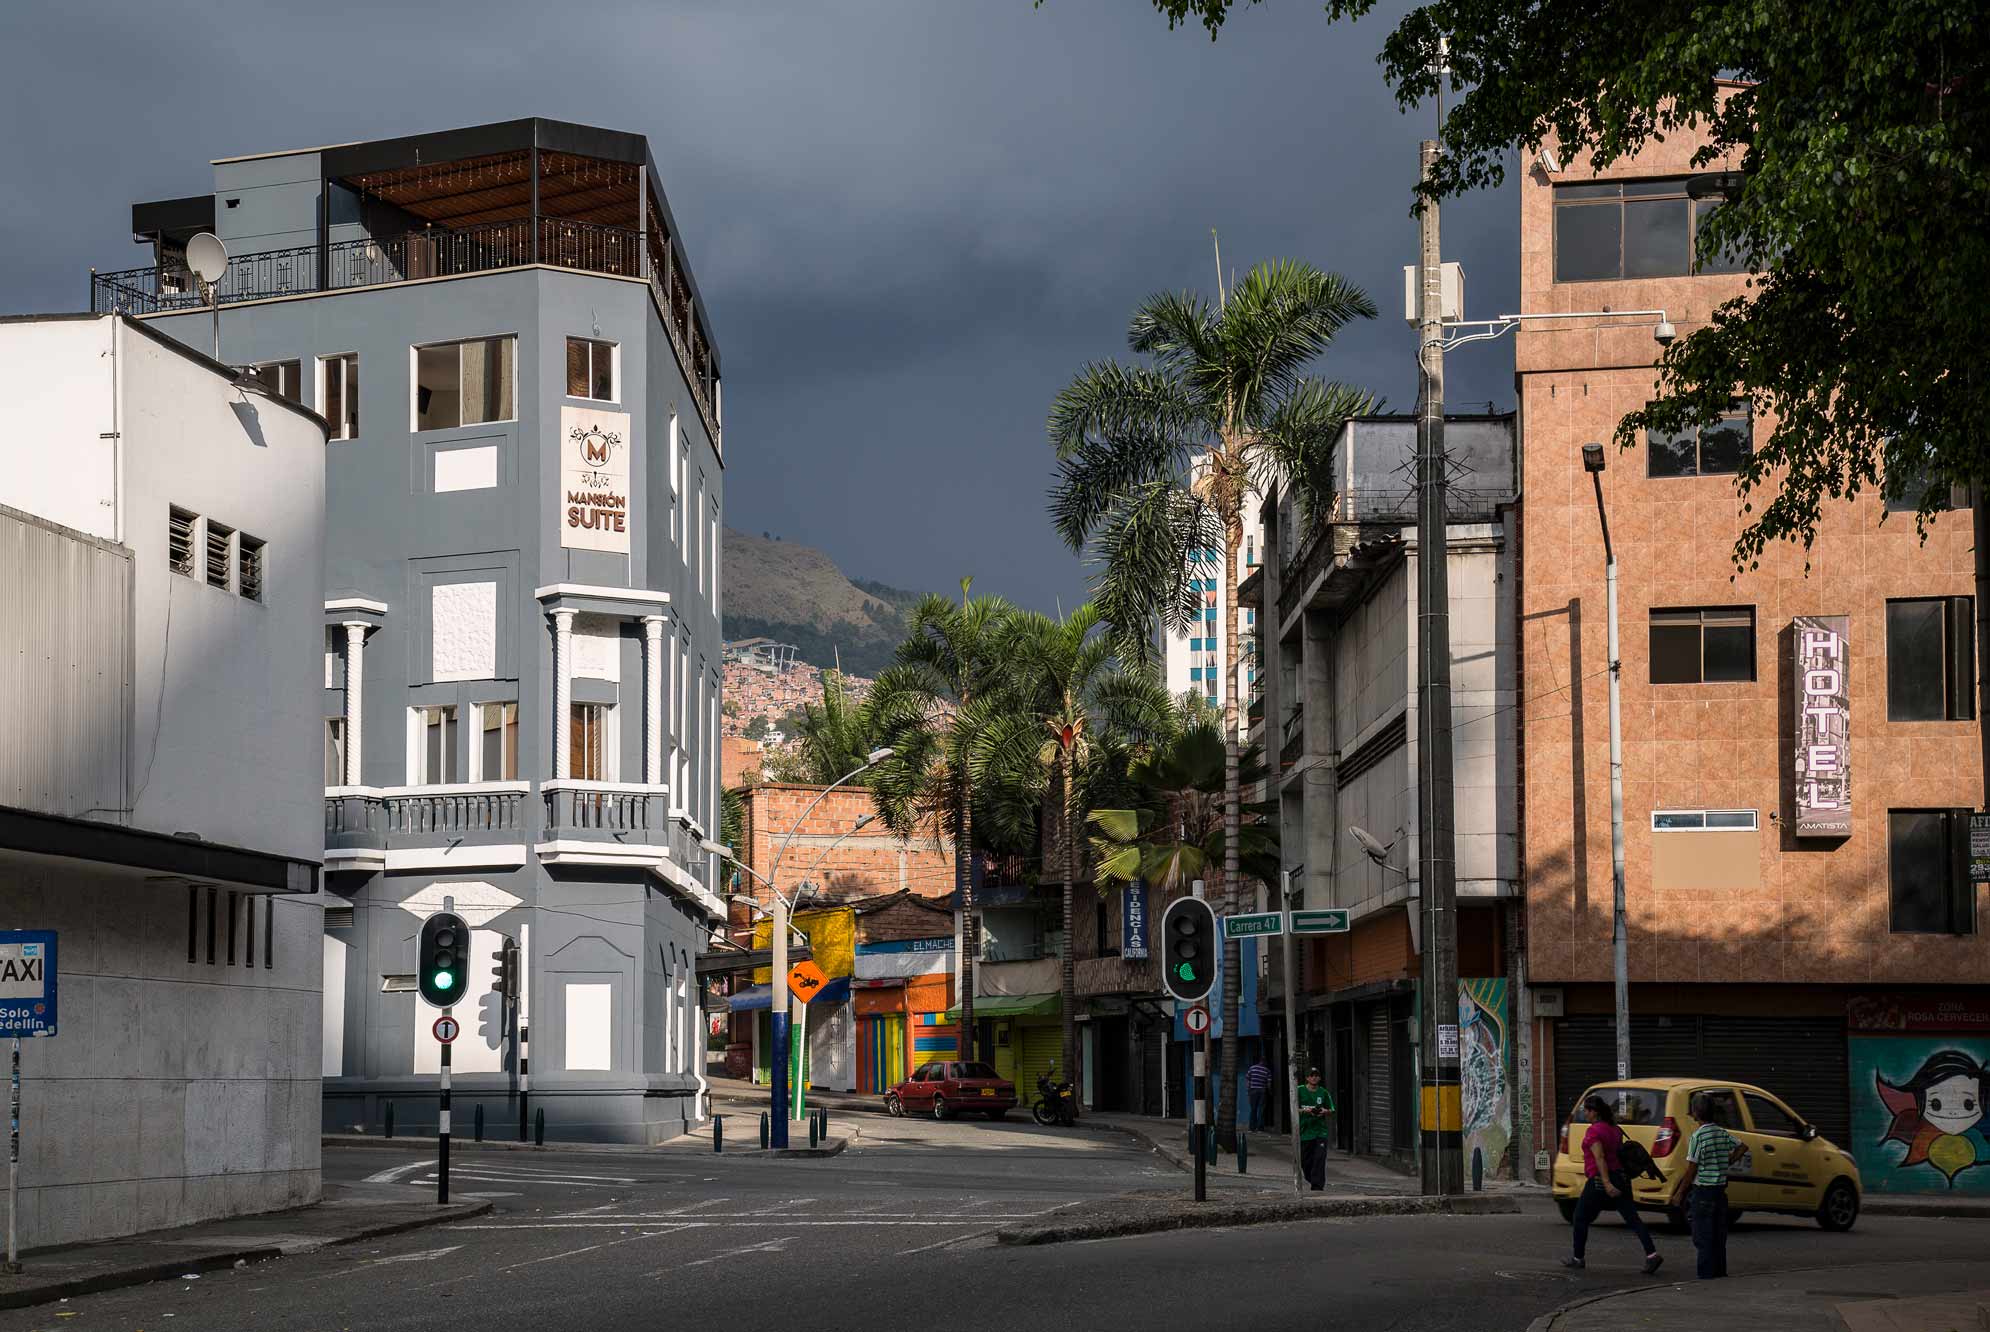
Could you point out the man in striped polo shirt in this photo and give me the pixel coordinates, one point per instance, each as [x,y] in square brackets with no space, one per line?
[1702,1187]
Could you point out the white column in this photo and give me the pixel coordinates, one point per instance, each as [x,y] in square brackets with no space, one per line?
[653,685]
[355,678]
[563,662]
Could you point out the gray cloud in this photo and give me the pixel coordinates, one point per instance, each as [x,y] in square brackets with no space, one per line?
[912,220]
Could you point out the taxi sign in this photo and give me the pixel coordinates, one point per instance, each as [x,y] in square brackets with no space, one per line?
[805,980]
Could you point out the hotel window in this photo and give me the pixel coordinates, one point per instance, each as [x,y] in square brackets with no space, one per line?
[1631,229]
[433,747]
[497,743]
[338,394]
[589,750]
[464,383]
[219,543]
[179,540]
[334,751]
[1705,646]
[1721,449]
[283,378]
[1931,659]
[591,369]
[1928,872]
[1718,850]
[250,565]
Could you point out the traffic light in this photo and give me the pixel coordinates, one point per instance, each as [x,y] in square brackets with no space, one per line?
[504,969]
[440,958]
[1188,949]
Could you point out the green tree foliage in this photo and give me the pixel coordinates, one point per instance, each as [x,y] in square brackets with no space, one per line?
[830,738]
[1156,461]
[1861,133]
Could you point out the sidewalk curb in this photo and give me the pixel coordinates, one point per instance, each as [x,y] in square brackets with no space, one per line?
[146,1273]
[1549,1320]
[1213,1215]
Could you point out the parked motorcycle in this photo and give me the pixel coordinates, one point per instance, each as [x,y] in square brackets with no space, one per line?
[1055,1101]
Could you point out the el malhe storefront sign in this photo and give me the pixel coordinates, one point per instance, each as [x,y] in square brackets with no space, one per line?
[1823,749]
[594,479]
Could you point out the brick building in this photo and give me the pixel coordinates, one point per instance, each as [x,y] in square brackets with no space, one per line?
[1812,935]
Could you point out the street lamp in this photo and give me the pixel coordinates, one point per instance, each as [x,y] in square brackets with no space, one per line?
[783,1023]
[855,828]
[1592,462]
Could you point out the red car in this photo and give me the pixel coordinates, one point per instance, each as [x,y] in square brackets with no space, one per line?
[946,1089]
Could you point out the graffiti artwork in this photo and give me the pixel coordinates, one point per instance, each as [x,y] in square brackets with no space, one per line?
[1918,1117]
[1482,1038]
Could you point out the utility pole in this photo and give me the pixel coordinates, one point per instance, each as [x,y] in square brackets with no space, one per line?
[777,1011]
[1290,985]
[1593,462]
[1442,1116]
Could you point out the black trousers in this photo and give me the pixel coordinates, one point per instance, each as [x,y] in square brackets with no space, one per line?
[1706,1210]
[1592,1203]
[1313,1161]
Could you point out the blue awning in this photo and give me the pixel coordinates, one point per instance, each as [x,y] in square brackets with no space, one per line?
[762,996]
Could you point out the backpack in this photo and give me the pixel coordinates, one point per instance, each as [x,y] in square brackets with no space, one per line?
[1631,1154]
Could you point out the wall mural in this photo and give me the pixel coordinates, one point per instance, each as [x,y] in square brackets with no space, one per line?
[1919,1116]
[1487,1098]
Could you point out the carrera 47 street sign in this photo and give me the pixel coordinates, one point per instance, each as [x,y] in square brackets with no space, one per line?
[1823,758]
[27,982]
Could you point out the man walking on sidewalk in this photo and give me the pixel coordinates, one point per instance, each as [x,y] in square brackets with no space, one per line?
[1257,1081]
[1702,1186]
[1315,1105]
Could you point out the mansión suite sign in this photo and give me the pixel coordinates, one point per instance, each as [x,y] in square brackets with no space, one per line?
[594,479]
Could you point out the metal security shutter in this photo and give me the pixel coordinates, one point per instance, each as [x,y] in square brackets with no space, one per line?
[1376,1019]
[1036,1049]
[1802,1060]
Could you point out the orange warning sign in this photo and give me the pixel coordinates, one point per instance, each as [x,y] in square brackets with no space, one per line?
[805,980]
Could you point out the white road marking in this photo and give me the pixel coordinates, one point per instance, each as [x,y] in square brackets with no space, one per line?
[624,1224]
[687,1209]
[765,1246]
[422,1256]
[554,1257]
[941,1244]
[779,1206]
[590,1211]
[394,1175]
[493,1194]
[513,1179]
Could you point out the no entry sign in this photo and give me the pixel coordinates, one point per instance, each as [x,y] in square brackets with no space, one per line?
[1196,1019]
[446,1029]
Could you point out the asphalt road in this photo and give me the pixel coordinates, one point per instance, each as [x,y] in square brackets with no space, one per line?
[894,1233]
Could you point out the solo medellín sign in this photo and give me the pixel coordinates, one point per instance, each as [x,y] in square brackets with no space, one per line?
[1823,755]
[594,479]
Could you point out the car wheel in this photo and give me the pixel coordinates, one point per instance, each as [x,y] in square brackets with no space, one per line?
[1567,1206]
[894,1107]
[941,1110]
[1840,1208]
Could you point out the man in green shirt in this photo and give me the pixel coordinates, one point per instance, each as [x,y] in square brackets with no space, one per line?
[1315,1105]
[1702,1187]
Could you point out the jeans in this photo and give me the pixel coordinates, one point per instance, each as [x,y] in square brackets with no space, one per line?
[1592,1202]
[1313,1161]
[1706,1209]
[1257,1109]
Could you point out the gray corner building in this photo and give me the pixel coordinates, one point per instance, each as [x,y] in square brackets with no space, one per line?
[524,485]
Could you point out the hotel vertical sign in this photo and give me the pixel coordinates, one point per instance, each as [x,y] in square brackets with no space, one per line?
[594,479]
[1823,758]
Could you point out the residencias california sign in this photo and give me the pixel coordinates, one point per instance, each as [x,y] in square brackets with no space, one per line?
[1823,750]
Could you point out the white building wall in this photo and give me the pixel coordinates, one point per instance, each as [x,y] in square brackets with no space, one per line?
[1193,661]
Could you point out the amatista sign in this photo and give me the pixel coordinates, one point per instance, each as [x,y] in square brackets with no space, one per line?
[594,479]
[1823,751]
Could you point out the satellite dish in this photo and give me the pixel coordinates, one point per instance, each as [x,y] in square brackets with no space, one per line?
[1374,849]
[207,257]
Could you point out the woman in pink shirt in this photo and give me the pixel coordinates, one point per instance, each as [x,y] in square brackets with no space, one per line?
[1605,1184]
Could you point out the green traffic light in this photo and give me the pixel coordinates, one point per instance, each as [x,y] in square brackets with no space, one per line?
[445,980]
[1185,971]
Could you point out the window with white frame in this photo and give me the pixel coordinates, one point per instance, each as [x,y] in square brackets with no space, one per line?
[432,747]
[250,565]
[338,394]
[180,524]
[591,369]
[283,378]
[465,383]
[590,742]
[683,485]
[495,753]
[1695,820]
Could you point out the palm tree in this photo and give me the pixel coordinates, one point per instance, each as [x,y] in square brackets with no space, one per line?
[1156,461]
[930,706]
[831,738]
[1067,715]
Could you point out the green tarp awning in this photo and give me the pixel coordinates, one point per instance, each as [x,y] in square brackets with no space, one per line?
[1008,1005]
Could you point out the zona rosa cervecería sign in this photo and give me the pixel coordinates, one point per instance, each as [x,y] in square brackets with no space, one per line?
[1823,756]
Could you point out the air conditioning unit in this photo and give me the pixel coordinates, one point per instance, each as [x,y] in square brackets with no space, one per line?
[1452,286]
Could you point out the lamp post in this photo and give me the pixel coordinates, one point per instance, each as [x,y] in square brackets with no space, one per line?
[1592,462]
[781,1022]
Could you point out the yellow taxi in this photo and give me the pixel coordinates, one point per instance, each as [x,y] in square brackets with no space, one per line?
[1786,1166]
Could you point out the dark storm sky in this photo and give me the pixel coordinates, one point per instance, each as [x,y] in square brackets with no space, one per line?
[913,220]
